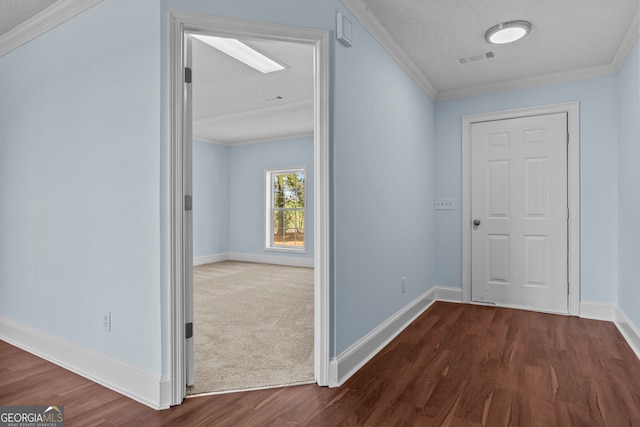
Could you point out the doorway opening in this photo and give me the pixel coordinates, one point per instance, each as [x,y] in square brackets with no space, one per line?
[181,366]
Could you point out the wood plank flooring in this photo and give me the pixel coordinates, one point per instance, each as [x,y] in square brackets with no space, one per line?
[456,365]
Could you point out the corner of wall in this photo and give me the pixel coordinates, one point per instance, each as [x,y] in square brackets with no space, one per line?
[147,388]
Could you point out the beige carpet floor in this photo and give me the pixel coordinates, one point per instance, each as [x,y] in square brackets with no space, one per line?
[253,326]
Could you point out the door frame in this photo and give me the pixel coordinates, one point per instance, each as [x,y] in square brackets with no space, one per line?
[573,197]
[184,22]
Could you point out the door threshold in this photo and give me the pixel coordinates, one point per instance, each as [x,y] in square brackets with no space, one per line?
[518,307]
[215,393]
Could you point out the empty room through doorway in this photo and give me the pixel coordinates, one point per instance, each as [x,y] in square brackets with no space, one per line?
[253,234]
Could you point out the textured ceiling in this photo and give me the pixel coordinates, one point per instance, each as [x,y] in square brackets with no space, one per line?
[15,12]
[567,35]
[233,103]
[570,38]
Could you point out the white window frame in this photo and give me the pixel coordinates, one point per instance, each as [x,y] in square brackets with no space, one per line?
[268,242]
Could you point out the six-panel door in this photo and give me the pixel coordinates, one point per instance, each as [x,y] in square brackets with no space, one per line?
[519,201]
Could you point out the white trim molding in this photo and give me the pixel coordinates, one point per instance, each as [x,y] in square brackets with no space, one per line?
[272,259]
[573,198]
[147,388]
[597,310]
[210,259]
[58,13]
[610,312]
[529,82]
[254,141]
[356,356]
[290,261]
[363,14]
[183,22]
[449,294]
[604,70]
[367,18]
[628,329]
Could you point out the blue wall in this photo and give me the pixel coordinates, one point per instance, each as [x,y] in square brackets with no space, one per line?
[229,194]
[79,182]
[598,177]
[628,186]
[84,178]
[382,168]
[247,166]
[383,188]
[210,199]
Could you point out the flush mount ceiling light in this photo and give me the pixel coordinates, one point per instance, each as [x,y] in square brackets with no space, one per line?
[242,52]
[507,32]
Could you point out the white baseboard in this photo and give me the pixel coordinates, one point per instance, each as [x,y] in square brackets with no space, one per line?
[209,259]
[341,368]
[149,389]
[597,310]
[613,313]
[629,330]
[290,261]
[449,294]
[272,259]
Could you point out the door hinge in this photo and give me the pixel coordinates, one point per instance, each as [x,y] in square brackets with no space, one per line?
[188,202]
[188,330]
[187,75]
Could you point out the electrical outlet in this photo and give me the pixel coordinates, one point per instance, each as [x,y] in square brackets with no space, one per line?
[444,204]
[106,321]
[404,285]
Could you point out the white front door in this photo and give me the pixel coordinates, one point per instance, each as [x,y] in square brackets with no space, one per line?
[519,212]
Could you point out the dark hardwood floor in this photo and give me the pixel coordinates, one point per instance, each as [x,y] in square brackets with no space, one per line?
[456,365]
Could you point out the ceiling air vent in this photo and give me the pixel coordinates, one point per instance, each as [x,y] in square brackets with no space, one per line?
[476,57]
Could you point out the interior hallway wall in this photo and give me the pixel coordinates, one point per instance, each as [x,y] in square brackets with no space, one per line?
[382,168]
[628,186]
[598,177]
[79,178]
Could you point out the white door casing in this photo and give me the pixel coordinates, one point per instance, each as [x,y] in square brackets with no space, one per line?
[519,212]
[179,264]
[573,194]
[187,144]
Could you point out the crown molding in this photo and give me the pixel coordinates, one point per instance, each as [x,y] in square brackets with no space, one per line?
[364,15]
[44,21]
[254,141]
[528,82]
[628,42]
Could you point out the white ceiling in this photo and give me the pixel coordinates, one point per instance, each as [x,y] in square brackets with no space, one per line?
[570,39]
[15,12]
[233,103]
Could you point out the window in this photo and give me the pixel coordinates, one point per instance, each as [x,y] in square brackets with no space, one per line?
[286,209]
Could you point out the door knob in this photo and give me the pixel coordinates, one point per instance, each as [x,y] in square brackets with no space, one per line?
[476,223]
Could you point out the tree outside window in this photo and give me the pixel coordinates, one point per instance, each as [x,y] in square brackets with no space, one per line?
[286,209]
